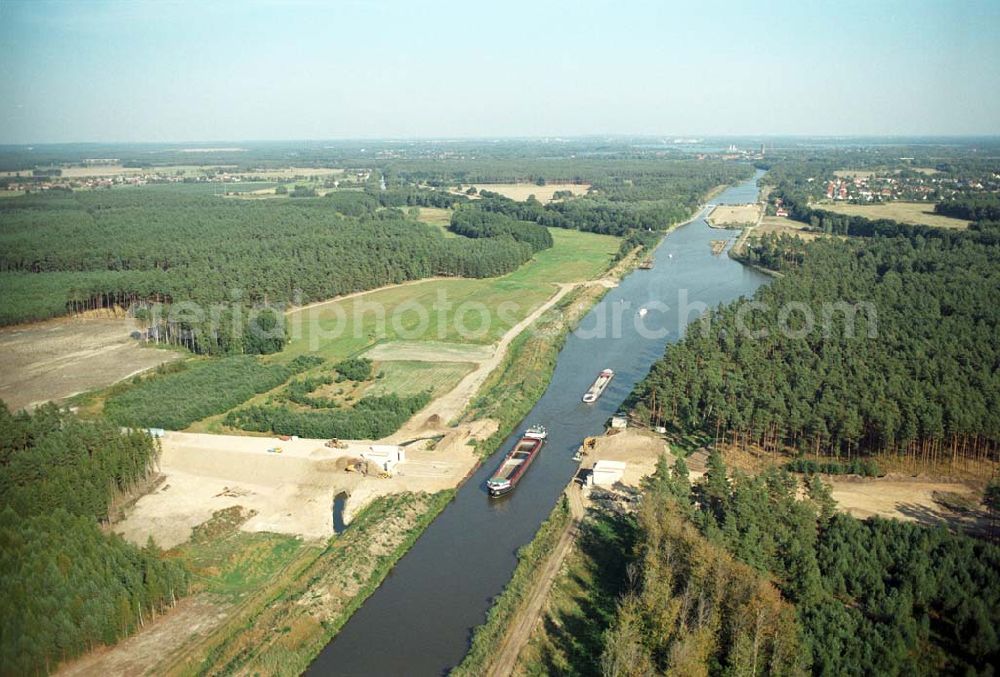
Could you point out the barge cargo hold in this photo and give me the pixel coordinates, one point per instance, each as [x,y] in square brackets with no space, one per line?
[597,389]
[516,462]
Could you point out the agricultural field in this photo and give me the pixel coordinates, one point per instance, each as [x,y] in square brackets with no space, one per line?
[522,191]
[913,213]
[417,311]
[412,355]
[407,378]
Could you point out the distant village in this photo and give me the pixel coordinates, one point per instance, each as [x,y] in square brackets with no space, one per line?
[107,173]
[865,187]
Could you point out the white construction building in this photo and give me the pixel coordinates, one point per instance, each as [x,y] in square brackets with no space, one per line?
[385,456]
[606,473]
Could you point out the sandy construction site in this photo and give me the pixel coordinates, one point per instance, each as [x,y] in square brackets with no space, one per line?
[291,492]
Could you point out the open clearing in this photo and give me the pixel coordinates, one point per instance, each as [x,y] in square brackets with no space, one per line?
[55,359]
[292,492]
[435,216]
[522,191]
[430,351]
[407,378]
[638,449]
[782,225]
[913,213]
[734,216]
[909,499]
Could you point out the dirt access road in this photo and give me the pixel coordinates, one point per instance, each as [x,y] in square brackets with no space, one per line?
[436,415]
[534,605]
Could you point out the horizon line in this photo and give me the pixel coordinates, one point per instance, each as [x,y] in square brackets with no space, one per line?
[496,138]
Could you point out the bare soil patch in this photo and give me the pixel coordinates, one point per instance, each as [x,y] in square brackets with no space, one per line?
[191,619]
[730,216]
[55,359]
[289,492]
[782,225]
[927,501]
[639,449]
[522,191]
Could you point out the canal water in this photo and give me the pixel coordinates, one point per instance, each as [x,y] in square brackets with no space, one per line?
[420,620]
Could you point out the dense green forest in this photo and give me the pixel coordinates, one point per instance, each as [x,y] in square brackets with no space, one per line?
[885,364]
[873,597]
[474,222]
[693,609]
[65,585]
[627,194]
[90,249]
[735,574]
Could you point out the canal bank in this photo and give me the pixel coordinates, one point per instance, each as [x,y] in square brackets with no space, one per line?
[420,620]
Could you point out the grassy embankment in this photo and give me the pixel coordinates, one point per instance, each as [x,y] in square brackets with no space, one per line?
[488,636]
[584,597]
[307,594]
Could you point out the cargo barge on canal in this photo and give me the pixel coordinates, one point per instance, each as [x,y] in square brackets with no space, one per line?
[599,386]
[516,462]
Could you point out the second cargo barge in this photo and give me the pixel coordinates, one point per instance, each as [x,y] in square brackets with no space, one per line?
[599,386]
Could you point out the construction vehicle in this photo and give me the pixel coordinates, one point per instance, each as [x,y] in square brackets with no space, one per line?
[275,450]
[336,444]
[358,465]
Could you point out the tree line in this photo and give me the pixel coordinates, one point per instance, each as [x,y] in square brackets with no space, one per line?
[971,207]
[370,418]
[872,597]
[65,585]
[472,222]
[692,608]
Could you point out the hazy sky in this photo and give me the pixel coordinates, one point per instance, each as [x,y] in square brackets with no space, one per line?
[192,71]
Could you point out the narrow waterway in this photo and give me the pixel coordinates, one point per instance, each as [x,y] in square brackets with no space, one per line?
[420,620]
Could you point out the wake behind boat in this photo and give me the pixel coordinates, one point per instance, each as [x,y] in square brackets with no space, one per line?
[516,462]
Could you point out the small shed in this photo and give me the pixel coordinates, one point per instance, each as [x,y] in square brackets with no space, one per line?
[606,473]
[385,456]
[619,421]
